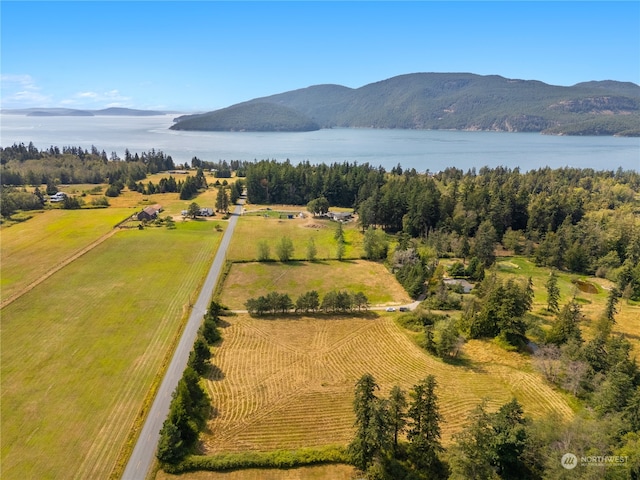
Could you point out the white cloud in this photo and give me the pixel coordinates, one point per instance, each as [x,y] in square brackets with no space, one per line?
[90,99]
[21,91]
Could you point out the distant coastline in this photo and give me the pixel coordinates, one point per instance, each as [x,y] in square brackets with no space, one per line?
[72,112]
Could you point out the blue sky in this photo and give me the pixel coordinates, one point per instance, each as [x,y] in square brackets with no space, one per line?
[203,55]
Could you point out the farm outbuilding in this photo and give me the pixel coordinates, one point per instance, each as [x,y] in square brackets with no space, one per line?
[149,213]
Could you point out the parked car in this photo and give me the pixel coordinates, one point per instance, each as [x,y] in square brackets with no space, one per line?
[391,309]
[404,309]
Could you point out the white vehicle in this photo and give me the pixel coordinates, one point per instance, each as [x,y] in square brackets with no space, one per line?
[57,197]
[391,309]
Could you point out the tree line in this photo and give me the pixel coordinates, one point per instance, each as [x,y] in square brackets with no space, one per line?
[334,301]
[190,404]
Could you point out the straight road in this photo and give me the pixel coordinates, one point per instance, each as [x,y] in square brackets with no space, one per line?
[144,452]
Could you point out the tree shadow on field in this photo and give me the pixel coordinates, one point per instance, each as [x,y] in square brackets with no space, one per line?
[222,323]
[465,363]
[214,373]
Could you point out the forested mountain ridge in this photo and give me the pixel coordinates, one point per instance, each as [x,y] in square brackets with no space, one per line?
[459,101]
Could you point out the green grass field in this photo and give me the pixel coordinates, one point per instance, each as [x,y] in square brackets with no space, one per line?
[252,229]
[32,248]
[249,280]
[81,350]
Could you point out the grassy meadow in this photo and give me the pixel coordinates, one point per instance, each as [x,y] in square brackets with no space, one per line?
[81,351]
[31,248]
[255,227]
[590,292]
[249,280]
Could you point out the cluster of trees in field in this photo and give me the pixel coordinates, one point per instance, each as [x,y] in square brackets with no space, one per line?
[335,301]
[222,168]
[190,405]
[399,438]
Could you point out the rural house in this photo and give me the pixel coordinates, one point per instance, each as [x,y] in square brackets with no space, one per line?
[149,213]
[466,286]
[340,216]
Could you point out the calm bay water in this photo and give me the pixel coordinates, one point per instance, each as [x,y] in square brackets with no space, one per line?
[422,150]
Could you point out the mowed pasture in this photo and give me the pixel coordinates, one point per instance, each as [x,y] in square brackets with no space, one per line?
[288,383]
[30,249]
[250,280]
[81,350]
[254,228]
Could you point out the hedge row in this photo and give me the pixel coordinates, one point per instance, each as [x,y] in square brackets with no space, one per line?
[273,459]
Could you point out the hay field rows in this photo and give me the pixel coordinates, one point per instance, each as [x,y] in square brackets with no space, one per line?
[289,383]
[80,351]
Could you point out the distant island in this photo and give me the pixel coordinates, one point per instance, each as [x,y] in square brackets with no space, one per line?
[71,112]
[438,101]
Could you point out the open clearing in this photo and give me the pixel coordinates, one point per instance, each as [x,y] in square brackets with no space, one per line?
[592,298]
[288,383]
[81,351]
[250,280]
[32,248]
[252,229]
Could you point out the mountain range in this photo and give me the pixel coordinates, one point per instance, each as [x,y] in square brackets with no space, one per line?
[451,101]
[72,112]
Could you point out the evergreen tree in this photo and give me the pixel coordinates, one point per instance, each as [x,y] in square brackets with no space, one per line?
[566,326]
[222,200]
[366,444]
[485,243]
[611,306]
[424,427]
[553,292]
[200,355]
[397,413]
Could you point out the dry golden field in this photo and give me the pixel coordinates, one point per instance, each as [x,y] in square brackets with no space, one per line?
[288,383]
